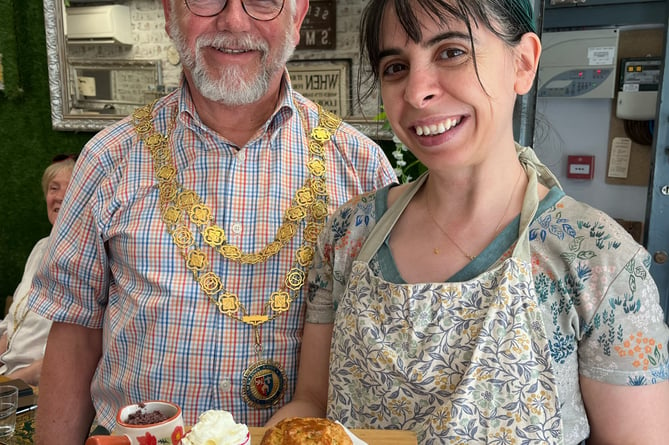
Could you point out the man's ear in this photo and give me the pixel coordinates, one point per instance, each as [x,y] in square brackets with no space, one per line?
[301,8]
[167,10]
[528,51]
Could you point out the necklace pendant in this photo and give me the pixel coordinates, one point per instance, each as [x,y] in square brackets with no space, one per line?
[263,384]
[255,320]
[435,251]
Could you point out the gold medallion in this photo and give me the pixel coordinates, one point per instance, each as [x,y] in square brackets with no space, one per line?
[263,384]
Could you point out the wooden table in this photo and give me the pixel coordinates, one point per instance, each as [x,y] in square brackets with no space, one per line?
[372,437]
[25,429]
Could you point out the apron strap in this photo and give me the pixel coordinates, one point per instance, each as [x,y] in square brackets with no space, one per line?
[388,220]
[537,173]
[529,209]
[528,157]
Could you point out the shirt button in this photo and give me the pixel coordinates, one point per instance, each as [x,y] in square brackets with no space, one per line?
[225,384]
[241,156]
[237,228]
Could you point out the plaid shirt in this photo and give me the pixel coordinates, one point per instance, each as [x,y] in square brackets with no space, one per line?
[113,265]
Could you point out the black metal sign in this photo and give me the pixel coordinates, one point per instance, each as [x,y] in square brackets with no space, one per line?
[319,29]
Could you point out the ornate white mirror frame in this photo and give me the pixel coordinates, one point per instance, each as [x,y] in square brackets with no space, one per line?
[56,63]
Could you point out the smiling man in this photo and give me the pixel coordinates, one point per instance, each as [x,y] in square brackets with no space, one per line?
[177,265]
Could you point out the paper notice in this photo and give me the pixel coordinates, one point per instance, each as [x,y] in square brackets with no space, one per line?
[87,86]
[602,55]
[619,161]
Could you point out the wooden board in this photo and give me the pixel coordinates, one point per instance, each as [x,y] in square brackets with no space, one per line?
[372,437]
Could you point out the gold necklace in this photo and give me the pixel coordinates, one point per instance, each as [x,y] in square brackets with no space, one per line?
[264,380]
[497,227]
[310,198]
[508,203]
[175,199]
[434,220]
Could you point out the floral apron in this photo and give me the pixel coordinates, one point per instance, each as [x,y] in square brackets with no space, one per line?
[458,363]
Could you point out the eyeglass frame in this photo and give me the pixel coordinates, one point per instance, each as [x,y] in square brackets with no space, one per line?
[283,5]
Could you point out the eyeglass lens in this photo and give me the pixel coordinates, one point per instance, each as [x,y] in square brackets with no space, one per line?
[257,9]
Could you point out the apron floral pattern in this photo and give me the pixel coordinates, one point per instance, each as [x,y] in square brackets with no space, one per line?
[458,363]
[466,363]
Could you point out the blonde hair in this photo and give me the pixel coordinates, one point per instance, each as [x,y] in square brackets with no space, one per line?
[53,170]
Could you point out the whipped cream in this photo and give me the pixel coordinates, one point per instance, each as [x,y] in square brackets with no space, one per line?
[216,427]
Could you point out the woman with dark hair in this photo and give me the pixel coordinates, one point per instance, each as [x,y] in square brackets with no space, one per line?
[22,332]
[479,303]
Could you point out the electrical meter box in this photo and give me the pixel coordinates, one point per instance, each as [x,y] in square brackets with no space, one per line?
[639,85]
[578,64]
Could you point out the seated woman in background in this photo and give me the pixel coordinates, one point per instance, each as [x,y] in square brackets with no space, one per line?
[478,304]
[24,333]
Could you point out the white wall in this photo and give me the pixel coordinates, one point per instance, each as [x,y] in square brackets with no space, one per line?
[577,127]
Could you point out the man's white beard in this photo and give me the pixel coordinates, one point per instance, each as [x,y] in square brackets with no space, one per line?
[231,85]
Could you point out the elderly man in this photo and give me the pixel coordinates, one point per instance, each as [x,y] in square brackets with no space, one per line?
[177,266]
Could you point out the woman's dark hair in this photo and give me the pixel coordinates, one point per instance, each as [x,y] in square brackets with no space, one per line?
[507,19]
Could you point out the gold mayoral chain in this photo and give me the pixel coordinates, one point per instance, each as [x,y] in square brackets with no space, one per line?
[264,380]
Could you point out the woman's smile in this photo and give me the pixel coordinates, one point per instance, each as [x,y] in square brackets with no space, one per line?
[438,128]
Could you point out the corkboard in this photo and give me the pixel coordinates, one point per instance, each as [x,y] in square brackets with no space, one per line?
[634,228]
[634,43]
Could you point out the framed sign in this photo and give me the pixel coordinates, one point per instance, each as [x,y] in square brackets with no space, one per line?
[319,29]
[326,82]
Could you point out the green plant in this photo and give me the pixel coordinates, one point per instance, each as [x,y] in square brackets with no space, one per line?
[406,166]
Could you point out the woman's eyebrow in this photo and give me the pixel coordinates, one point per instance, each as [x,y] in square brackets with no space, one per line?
[432,41]
[444,36]
[388,52]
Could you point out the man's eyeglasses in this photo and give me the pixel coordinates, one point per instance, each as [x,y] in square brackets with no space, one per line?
[263,10]
[63,157]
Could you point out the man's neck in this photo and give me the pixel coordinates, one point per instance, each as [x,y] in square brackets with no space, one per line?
[238,123]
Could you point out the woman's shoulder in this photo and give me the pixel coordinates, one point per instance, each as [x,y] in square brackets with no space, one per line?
[579,240]
[362,204]
[355,219]
[578,219]
[41,245]
[36,255]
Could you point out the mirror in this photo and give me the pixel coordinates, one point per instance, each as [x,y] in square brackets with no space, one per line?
[89,93]
[112,87]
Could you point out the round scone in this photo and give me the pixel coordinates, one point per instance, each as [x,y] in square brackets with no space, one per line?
[306,431]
